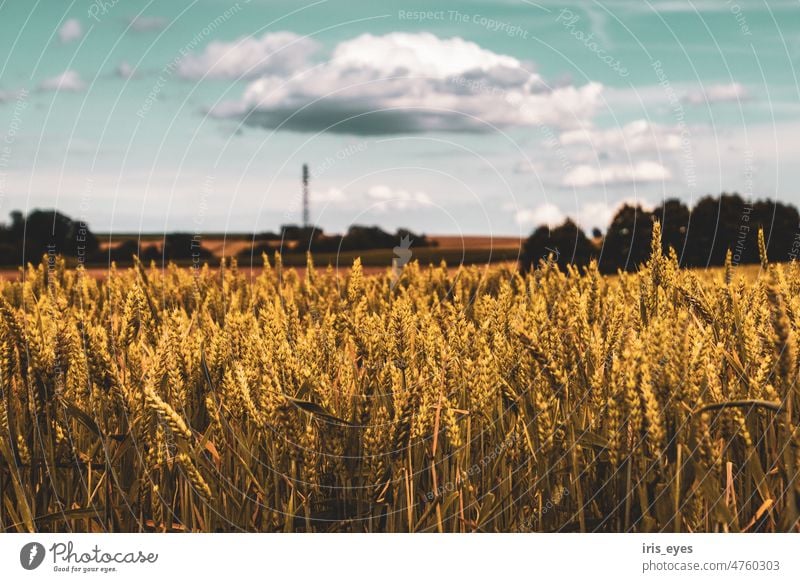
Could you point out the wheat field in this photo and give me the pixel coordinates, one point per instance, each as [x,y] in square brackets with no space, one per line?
[469,400]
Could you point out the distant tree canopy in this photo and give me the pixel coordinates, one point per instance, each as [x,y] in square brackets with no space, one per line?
[176,246]
[627,241]
[562,245]
[181,246]
[45,232]
[701,236]
[296,239]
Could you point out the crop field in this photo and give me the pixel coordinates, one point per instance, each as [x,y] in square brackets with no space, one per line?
[423,400]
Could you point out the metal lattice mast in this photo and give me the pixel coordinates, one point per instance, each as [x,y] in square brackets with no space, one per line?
[306,210]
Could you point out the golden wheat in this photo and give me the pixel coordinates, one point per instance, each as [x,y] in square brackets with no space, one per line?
[437,400]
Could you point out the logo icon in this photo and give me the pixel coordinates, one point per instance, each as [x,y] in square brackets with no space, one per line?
[31,555]
[402,255]
[554,252]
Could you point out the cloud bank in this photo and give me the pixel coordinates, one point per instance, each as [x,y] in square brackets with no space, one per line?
[635,137]
[720,93]
[396,83]
[615,174]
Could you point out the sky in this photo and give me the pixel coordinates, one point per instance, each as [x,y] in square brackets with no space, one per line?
[468,117]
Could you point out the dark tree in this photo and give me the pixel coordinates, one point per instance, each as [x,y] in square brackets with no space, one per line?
[565,244]
[674,218]
[701,237]
[627,241]
[781,223]
[302,237]
[124,251]
[45,232]
[360,237]
[719,224]
[183,246]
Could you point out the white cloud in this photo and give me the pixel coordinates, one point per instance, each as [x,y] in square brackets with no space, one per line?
[596,215]
[147,23]
[385,198]
[599,214]
[589,156]
[420,54]
[276,53]
[547,214]
[719,93]
[66,81]
[587,216]
[612,174]
[70,30]
[125,70]
[404,83]
[635,137]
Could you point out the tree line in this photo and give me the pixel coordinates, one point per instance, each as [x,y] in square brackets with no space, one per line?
[26,239]
[701,236]
[45,232]
[48,232]
[301,239]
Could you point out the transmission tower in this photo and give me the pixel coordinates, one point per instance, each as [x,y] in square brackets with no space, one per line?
[306,210]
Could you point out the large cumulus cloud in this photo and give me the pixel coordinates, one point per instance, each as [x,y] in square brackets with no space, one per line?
[396,83]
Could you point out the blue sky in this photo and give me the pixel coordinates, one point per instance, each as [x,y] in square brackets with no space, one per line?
[443,117]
